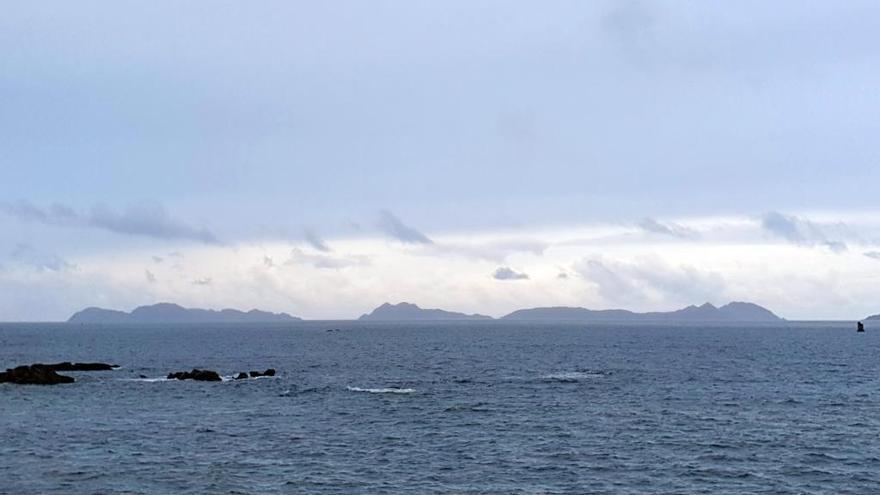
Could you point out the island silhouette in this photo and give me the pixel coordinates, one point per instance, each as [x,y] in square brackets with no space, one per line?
[174,313]
[743,312]
[407,311]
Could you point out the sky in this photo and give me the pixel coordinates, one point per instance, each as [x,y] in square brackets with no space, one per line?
[321,158]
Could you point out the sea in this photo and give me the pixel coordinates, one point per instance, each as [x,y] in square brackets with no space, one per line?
[461,408]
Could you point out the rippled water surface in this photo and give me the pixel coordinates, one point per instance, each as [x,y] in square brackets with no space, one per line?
[484,407]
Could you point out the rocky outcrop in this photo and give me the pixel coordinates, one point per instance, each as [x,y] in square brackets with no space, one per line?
[68,366]
[35,374]
[255,374]
[268,372]
[196,374]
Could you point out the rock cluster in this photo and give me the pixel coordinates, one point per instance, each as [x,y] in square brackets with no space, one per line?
[46,374]
[195,374]
[35,374]
[255,374]
[68,366]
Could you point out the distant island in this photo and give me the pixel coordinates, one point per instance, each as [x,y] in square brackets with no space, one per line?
[410,312]
[873,318]
[173,313]
[741,312]
[732,312]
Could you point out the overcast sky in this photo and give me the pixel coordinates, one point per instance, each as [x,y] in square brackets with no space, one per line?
[321,158]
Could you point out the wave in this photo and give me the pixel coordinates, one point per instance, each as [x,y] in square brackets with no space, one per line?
[388,390]
[573,376]
[146,380]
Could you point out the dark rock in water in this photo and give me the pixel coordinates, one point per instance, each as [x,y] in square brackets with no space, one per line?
[142,376]
[68,366]
[241,376]
[35,374]
[196,374]
[268,372]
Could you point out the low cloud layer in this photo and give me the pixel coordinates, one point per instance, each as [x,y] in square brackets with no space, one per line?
[314,240]
[497,251]
[146,218]
[668,228]
[650,280]
[800,230]
[327,261]
[40,260]
[396,229]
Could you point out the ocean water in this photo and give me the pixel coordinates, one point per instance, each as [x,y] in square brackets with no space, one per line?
[485,407]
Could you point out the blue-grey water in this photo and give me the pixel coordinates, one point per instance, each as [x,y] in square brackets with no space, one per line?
[484,407]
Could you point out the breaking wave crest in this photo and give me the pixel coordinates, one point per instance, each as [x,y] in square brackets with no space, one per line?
[387,390]
[574,376]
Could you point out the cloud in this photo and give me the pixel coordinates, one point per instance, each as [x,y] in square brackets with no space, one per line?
[506,273]
[632,25]
[799,230]
[490,251]
[650,279]
[40,260]
[315,241]
[835,246]
[151,277]
[396,229]
[300,257]
[146,218]
[612,285]
[873,255]
[157,259]
[268,262]
[668,228]
[53,215]
[203,281]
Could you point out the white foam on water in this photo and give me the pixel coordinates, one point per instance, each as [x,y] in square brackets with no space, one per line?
[231,378]
[573,376]
[389,390]
[147,380]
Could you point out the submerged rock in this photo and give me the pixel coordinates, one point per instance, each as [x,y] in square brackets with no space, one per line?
[196,374]
[35,374]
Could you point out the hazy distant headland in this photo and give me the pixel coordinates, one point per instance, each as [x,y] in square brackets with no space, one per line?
[409,312]
[742,312]
[173,313]
[732,312]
